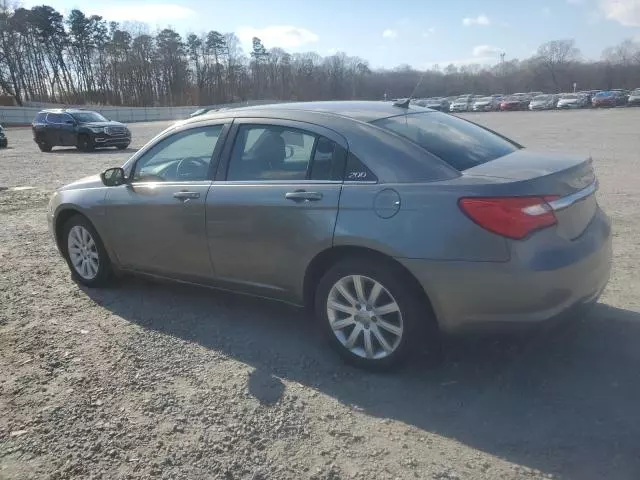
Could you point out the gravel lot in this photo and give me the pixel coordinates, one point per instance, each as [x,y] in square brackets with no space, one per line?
[147,380]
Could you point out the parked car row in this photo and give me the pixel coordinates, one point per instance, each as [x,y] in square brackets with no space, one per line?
[532,101]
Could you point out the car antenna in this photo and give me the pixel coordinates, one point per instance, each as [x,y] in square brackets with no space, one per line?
[405,103]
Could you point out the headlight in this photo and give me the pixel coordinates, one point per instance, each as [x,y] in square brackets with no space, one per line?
[97,129]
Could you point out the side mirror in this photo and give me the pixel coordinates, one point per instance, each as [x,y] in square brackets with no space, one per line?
[112,177]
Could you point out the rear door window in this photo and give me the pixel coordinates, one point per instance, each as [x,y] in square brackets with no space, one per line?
[459,143]
[275,153]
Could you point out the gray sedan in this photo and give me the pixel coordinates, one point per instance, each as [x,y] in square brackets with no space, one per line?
[392,222]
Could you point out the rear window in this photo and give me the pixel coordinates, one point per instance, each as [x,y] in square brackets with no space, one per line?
[459,143]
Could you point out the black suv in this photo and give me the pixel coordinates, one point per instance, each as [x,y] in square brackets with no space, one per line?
[3,138]
[83,129]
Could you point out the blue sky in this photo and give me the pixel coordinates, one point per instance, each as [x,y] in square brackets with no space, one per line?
[387,33]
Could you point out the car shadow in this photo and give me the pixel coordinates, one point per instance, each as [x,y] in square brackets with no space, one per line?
[562,398]
[101,151]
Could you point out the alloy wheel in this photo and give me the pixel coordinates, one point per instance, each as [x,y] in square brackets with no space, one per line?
[83,252]
[364,317]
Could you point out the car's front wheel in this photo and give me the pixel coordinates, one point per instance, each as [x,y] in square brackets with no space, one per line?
[84,252]
[372,315]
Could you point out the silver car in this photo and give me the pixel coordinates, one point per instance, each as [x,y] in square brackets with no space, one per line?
[486,104]
[573,100]
[543,102]
[462,104]
[393,222]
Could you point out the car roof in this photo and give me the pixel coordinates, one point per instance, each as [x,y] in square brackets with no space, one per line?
[364,111]
[64,110]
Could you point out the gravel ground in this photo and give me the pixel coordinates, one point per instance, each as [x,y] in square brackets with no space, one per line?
[148,380]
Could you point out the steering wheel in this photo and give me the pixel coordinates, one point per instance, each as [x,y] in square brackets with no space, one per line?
[190,165]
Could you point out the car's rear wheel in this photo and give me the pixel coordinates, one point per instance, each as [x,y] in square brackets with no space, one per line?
[371,314]
[85,254]
[85,143]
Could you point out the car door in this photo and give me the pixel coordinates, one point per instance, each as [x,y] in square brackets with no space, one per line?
[273,205]
[67,130]
[157,219]
[52,131]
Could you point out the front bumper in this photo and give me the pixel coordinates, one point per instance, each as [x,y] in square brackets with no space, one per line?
[3,141]
[468,295]
[105,140]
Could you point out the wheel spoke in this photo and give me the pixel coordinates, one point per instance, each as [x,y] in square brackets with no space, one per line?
[359,288]
[91,244]
[368,345]
[389,327]
[345,293]
[345,322]
[351,341]
[375,293]
[85,236]
[94,265]
[340,307]
[94,255]
[76,236]
[388,308]
[380,337]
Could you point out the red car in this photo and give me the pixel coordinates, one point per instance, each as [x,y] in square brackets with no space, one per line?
[609,99]
[511,103]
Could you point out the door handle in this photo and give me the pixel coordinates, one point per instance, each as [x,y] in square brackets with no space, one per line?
[303,196]
[186,195]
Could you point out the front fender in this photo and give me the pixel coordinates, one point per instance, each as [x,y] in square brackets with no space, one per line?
[88,202]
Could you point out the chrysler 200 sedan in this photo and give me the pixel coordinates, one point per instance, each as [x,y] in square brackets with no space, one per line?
[393,222]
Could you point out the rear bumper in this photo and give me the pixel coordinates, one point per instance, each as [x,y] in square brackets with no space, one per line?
[468,295]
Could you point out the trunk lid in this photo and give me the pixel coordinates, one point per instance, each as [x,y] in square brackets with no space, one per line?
[570,178]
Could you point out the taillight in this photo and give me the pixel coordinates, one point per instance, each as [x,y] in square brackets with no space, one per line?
[512,217]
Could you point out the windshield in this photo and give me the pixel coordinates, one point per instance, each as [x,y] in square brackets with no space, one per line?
[542,97]
[570,97]
[459,143]
[635,92]
[484,99]
[605,94]
[86,117]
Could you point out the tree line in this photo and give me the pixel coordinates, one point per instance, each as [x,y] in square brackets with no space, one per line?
[78,59]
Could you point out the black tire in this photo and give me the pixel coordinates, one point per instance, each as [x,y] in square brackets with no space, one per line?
[122,147]
[85,143]
[44,146]
[418,324]
[104,271]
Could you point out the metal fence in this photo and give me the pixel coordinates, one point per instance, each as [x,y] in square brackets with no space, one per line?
[25,115]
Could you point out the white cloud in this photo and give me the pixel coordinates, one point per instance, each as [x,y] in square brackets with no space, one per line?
[430,31]
[283,36]
[625,12]
[148,13]
[486,51]
[574,2]
[389,33]
[481,19]
[332,51]
[546,11]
